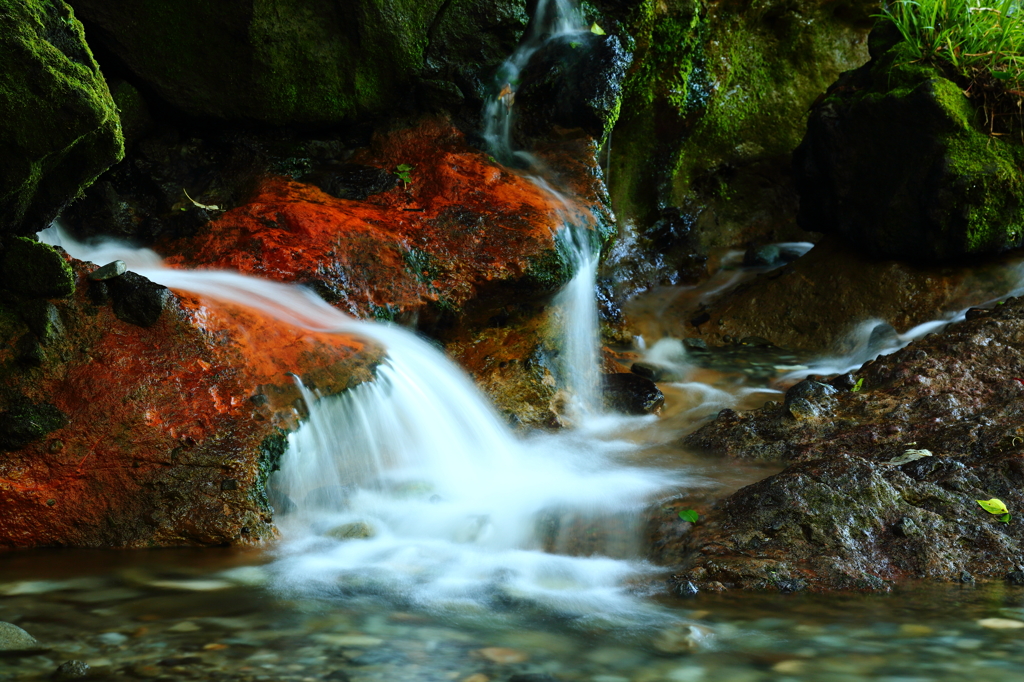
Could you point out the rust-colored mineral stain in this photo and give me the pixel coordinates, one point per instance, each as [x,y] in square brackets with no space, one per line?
[462,221]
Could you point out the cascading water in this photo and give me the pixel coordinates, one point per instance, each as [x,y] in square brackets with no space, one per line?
[412,488]
[555,19]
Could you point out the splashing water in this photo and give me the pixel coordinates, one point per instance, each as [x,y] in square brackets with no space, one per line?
[410,487]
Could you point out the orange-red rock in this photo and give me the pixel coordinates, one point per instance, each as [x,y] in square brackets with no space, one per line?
[462,226]
[167,441]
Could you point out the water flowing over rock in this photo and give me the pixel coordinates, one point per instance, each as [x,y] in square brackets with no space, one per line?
[60,128]
[815,302]
[121,435]
[900,162]
[852,511]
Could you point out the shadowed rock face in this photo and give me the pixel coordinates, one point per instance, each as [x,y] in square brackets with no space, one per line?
[842,515]
[122,432]
[307,62]
[60,127]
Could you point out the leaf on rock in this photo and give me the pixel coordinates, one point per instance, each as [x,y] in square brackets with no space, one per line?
[994,506]
[689,515]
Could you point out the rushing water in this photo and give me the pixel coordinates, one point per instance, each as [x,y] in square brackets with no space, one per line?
[429,543]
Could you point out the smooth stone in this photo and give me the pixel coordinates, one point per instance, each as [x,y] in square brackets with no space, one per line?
[358,530]
[915,630]
[1001,623]
[112,638]
[348,640]
[686,674]
[184,626]
[71,670]
[503,656]
[476,677]
[109,271]
[192,585]
[683,639]
[14,640]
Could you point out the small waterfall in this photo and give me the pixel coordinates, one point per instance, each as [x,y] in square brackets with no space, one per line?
[552,18]
[577,302]
[410,487]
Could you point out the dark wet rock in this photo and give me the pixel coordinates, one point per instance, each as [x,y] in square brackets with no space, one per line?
[810,400]
[138,300]
[1015,578]
[761,256]
[814,302]
[14,640]
[532,677]
[844,382]
[352,181]
[900,162]
[655,372]
[630,393]
[71,670]
[109,271]
[843,515]
[43,319]
[35,270]
[684,588]
[573,81]
[338,676]
[60,126]
[25,422]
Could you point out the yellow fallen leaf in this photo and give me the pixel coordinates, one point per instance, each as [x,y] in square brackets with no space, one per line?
[597,30]
[993,506]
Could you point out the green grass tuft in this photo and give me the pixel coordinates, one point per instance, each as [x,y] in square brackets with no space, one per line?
[982,39]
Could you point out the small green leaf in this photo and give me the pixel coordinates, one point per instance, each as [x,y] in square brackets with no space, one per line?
[1001,75]
[994,506]
[1005,518]
[597,30]
[859,385]
[404,168]
[574,44]
[689,515]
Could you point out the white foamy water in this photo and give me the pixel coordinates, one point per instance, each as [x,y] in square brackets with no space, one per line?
[458,511]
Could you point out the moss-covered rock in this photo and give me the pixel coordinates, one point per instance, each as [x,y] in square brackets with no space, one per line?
[714,104]
[35,270]
[60,127]
[291,61]
[896,160]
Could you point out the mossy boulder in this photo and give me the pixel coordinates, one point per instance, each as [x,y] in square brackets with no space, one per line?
[292,61]
[713,106]
[896,160]
[60,127]
[35,270]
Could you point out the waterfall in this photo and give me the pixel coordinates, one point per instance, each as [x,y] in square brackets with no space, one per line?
[412,488]
[580,331]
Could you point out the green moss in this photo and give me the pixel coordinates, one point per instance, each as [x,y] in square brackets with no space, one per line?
[36,270]
[60,127]
[25,422]
[988,183]
[272,448]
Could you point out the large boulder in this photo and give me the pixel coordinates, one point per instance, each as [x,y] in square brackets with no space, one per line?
[60,128]
[885,467]
[286,61]
[899,161]
[134,417]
